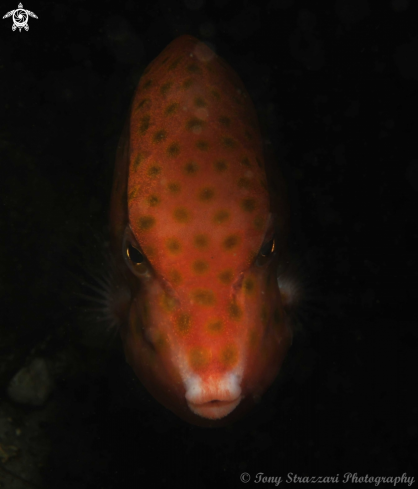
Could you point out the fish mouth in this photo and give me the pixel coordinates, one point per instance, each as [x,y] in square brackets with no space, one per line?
[214,409]
[213,399]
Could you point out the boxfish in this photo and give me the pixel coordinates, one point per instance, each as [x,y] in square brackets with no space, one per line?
[198,234]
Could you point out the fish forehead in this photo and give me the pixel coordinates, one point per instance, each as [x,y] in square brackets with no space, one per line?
[197,192]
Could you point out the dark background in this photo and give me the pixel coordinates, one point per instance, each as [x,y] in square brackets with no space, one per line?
[336,82]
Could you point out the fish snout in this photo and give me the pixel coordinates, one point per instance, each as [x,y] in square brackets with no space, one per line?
[214,398]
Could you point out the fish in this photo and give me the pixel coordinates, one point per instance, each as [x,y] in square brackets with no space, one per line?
[198,234]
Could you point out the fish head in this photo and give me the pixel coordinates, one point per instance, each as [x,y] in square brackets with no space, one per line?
[206,329]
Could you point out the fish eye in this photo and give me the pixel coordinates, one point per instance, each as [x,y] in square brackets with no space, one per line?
[266,250]
[134,255]
[136,260]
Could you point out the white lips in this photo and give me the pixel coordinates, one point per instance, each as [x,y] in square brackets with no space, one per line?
[214,398]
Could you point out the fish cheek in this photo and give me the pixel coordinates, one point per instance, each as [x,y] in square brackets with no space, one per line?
[137,346]
[260,292]
[147,347]
[148,353]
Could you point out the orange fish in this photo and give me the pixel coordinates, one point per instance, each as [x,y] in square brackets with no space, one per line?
[198,238]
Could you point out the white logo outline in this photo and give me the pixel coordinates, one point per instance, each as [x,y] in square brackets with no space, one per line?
[20,18]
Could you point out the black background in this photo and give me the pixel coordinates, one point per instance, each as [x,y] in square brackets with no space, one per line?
[337,84]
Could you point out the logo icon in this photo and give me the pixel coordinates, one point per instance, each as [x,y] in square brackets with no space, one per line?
[20,18]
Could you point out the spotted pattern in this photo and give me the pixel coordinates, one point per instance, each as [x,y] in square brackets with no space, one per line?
[194,68]
[202,145]
[187,83]
[215,326]
[174,276]
[147,85]
[248,205]
[221,166]
[203,297]
[231,242]
[153,200]
[200,266]
[132,194]
[160,136]
[228,142]
[206,194]
[167,302]
[137,161]
[175,63]
[221,216]
[145,103]
[154,171]
[199,358]
[235,312]
[201,241]
[172,108]
[229,356]
[249,286]
[191,168]
[173,246]
[200,102]
[174,187]
[195,125]
[226,276]
[181,215]
[146,222]
[173,150]
[165,87]
[144,123]
[198,205]
[183,323]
